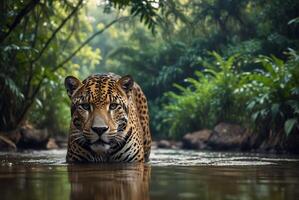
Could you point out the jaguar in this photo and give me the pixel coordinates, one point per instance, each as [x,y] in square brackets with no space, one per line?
[109,120]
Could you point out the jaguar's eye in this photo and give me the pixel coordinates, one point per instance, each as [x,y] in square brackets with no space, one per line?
[85,106]
[113,106]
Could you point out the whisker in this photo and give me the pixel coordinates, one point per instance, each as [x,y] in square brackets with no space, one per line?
[80,139]
[75,134]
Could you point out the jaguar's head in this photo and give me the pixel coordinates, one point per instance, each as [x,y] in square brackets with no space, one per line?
[100,110]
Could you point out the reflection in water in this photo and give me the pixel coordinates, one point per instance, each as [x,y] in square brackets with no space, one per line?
[109,182]
[172,175]
[28,182]
[218,183]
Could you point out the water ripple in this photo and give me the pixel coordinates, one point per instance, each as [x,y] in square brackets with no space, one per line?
[162,157]
[159,157]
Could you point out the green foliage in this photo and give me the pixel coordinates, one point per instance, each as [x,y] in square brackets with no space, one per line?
[223,92]
[208,99]
[32,52]
[273,94]
[40,43]
[51,108]
[191,29]
[294,21]
[146,10]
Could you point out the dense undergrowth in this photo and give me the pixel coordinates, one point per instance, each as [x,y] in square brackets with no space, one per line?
[199,62]
[265,98]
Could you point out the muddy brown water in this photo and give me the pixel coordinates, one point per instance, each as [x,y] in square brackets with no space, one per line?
[171,174]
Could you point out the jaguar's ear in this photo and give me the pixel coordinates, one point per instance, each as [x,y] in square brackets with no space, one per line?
[71,83]
[126,83]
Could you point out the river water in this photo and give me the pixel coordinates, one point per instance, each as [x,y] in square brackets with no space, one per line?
[171,174]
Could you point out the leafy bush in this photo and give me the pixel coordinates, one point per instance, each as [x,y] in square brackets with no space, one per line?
[208,99]
[273,94]
[222,92]
[51,109]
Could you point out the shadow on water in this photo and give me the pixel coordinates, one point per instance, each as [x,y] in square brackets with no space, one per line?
[171,175]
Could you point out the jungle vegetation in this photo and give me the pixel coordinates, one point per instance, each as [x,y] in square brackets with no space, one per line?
[199,62]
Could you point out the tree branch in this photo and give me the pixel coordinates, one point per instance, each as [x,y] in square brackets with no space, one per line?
[29,103]
[28,8]
[46,45]
[36,28]
[37,89]
[86,42]
[56,31]
[69,36]
[33,43]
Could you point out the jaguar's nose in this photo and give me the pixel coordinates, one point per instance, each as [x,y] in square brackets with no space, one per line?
[99,130]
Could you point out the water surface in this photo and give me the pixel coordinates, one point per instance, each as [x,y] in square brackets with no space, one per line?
[171,174]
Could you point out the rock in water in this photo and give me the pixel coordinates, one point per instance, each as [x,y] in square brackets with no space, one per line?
[33,138]
[229,137]
[197,140]
[52,144]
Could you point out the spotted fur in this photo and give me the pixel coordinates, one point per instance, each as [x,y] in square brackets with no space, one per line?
[109,121]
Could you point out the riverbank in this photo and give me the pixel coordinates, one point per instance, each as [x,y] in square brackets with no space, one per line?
[233,137]
[223,137]
[28,137]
